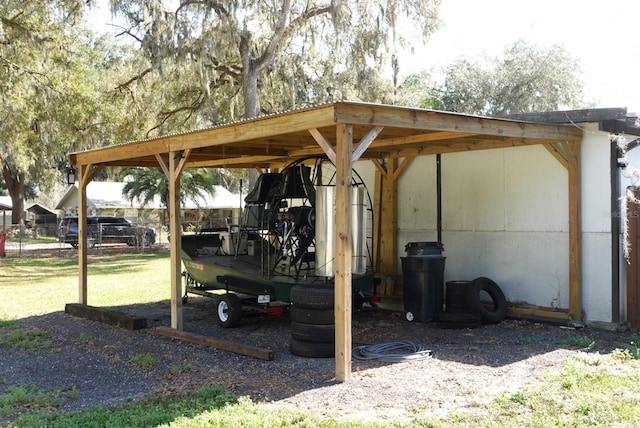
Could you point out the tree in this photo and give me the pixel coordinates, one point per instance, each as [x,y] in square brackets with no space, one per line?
[145,184]
[48,92]
[235,47]
[526,79]
[417,90]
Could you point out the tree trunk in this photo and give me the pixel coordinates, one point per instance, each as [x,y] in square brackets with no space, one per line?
[251,92]
[251,89]
[15,186]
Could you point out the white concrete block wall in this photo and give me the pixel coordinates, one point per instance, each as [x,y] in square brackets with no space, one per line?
[505,216]
[596,225]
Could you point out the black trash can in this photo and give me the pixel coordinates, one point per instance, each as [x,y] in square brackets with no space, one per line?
[423,281]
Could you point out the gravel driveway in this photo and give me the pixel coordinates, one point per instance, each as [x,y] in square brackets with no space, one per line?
[466,367]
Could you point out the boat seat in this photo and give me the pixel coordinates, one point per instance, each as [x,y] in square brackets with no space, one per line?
[255,217]
[262,190]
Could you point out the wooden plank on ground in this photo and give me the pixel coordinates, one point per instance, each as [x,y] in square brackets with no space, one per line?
[238,348]
[538,313]
[106,316]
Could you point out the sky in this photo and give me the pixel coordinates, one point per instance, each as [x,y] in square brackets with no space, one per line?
[601,34]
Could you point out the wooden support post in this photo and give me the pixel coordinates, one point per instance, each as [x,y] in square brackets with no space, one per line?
[82,232]
[175,244]
[342,305]
[575,232]
[389,213]
[377,215]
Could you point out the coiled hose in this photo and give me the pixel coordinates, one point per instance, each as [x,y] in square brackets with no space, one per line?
[389,352]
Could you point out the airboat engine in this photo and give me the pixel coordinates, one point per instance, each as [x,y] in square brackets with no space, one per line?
[325,230]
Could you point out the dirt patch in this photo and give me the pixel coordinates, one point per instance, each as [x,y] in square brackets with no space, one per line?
[466,366]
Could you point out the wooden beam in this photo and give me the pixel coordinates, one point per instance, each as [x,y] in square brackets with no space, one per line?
[122,152]
[390,143]
[106,316]
[365,142]
[163,165]
[575,232]
[368,114]
[262,127]
[91,172]
[538,313]
[324,144]
[455,147]
[237,348]
[176,233]
[553,149]
[379,167]
[184,156]
[431,137]
[343,287]
[241,162]
[405,163]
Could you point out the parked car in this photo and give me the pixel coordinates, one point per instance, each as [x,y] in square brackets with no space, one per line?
[106,229]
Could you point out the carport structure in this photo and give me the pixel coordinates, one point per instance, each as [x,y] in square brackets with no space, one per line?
[345,132]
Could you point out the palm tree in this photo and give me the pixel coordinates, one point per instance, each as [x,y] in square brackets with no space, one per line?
[145,183]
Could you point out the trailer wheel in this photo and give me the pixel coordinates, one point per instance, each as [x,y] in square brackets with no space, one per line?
[228,310]
[322,333]
[312,316]
[312,349]
[495,314]
[313,296]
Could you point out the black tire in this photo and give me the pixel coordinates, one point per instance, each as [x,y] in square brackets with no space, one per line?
[312,316]
[458,320]
[312,349]
[228,310]
[490,316]
[313,296]
[319,333]
[456,297]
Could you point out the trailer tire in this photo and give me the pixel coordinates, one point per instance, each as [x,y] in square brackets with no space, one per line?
[320,333]
[488,316]
[312,316]
[312,349]
[313,296]
[228,310]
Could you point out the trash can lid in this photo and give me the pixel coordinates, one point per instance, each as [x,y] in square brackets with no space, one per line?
[428,247]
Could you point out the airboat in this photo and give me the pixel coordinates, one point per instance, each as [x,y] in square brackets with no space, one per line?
[284,238]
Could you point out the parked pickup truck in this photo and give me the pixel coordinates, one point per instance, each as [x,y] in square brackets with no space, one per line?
[106,229]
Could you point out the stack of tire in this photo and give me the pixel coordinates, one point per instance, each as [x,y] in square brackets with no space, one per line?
[464,307]
[312,321]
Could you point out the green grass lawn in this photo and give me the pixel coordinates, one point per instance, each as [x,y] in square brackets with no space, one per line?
[592,389]
[34,286]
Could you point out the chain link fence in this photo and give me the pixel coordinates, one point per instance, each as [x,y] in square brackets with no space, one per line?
[25,241]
